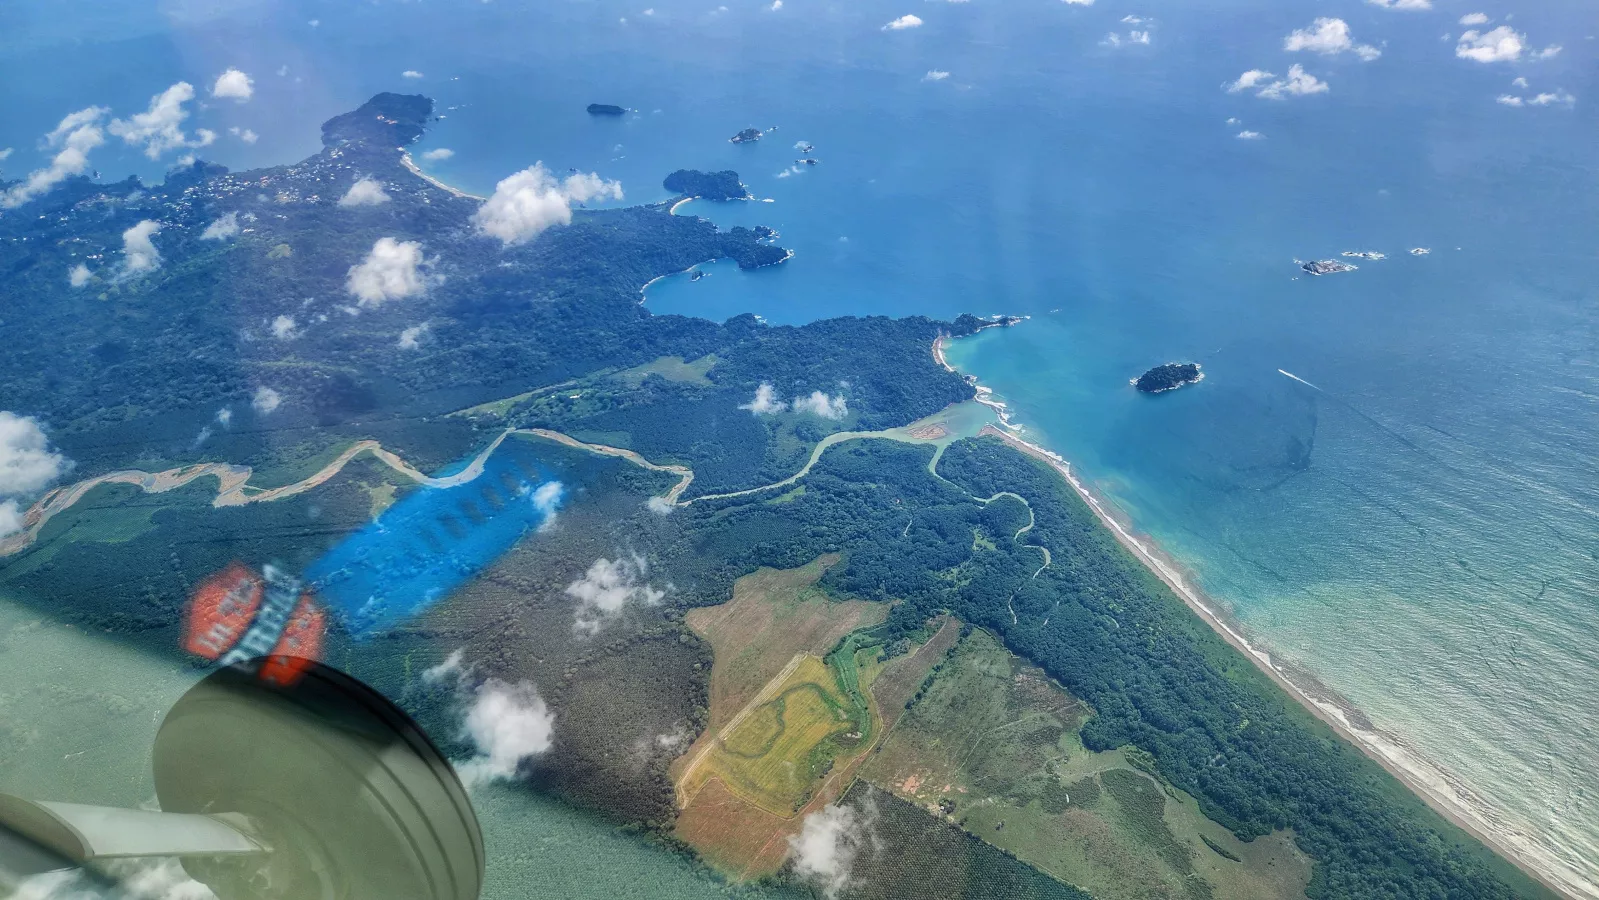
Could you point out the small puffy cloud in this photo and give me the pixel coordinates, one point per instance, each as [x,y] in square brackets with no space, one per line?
[10,518]
[935,75]
[225,416]
[1328,37]
[776,5]
[411,338]
[546,499]
[139,254]
[1551,50]
[1247,135]
[1411,5]
[1079,2]
[1234,120]
[450,669]
[660,506]
[1474,19]
[367,191]
[78,275]
[159,128]
[1519,82]
[393,270]
[1510,100]
[266,401]
[1560,98]
[822,405]
[410,73]
[1502,44]
[1298,82]
[829,842]
[903,22]
[607,588]
[284,328]
[27,462]
[73,138]
[5,154]
[244,134]
[508,724]
[438,153]
[1138,37]
[528,203]
[233,85]
[1111,40]
[1134,20]
[1249,80]
[223,228]
[765,402]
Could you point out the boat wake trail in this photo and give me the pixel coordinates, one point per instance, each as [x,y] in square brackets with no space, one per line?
[1298,379]
[1357,411]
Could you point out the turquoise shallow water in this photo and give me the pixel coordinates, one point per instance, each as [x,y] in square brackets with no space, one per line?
[1420,529]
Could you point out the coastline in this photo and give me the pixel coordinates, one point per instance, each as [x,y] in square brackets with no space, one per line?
[414,169]
[1441,791]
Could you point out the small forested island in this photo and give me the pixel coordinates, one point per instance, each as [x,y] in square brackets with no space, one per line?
[1326,267]
[1168,377]
[722,185]
[746,136]
[606,109]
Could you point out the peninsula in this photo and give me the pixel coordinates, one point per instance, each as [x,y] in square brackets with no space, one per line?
[723,185]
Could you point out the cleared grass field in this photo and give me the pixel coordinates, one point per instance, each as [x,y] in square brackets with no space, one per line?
[992,745]
[775,755]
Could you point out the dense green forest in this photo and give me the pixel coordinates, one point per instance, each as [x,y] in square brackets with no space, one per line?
[1114,635]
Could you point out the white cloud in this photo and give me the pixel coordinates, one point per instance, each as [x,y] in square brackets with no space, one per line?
[526,204]
[223,228]
[79,275]
[1510,100]
[75,136]
[1234,120]
[607,588]
[266,400]
[1079,2]
[829,842]
[1134,20]
[233,85]
[244,134]
[508,724]
[411,338]
[451,668]
[1519,82]
[438,153]
[1138,37]
[1474,19]
[1298,82]
[225,416]
[138,251]
[660,506]
[410,73]
[547,499]
[393,270]
[1247,135]
[159,129]
[1248,80]
[822,405]
[1558,97]
[935,75]
[10,518]
[284,329]
[27,463]
[776,5]
[1328,37]
[367,191]
[1551,50]
[1111,40]
[5,154]
[903,22]
[765,402]
[1502,44]
[1413,5]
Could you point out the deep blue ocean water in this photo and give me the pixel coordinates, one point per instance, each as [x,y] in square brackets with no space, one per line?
[1420,529]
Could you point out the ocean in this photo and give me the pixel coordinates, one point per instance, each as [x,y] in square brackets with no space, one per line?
[1411,515]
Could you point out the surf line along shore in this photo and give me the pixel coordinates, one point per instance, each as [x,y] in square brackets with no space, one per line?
[1439,789]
